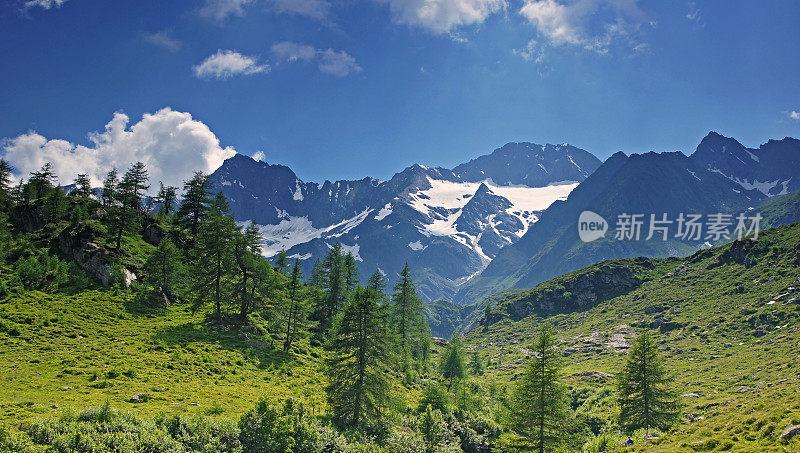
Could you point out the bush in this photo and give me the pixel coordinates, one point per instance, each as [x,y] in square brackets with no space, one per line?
[436,396]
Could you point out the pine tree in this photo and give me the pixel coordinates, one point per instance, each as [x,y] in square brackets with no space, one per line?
[282,261]
[194,206]
[135,182]
[333,284]
[476,365]
[246,252]
[55,206]
[377,283]
[166,199]
[83,187]
[452,362]
[5,179]
[164,268]
[42,181]
[350,273]
[539,408]
[213,264]
[645,399]
[295,305]
[110,183]
[359,359]
[408,313]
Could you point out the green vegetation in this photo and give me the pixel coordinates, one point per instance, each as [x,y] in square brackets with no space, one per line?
[131,324]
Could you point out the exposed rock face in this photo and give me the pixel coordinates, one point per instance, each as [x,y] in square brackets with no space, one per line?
[28,218]
[578,290]
[88,255]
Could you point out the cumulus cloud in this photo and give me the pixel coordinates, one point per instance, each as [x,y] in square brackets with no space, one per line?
[443,16]
[594,25]
[44,4]
[329,61]
[227,63]
[163,39]
[170,143]
[794,115]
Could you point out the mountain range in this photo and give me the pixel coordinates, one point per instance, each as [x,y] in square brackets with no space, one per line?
[507,219]
[446,224]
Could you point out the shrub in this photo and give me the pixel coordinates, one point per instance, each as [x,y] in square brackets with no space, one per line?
[436,396]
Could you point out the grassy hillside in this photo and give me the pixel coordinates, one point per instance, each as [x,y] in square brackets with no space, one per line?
[727,321]
[96,346]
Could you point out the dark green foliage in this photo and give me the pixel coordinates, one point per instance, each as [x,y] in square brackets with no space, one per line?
[194,206]
[295,306]
[408,315]
[214,257]
[166,199]
[435,396]
[538,403]
[452,362]
[645,397]
[357,367]
[41,182]
[83,187]
[109,190]
[165,269]
[476,364]
[329,276]
[282,261]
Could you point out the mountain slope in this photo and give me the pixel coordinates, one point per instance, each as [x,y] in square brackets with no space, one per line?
[447,224]
[666,183]
[727,321]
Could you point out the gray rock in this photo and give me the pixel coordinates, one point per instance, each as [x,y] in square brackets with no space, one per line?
[790,432]
[140,398]
[690,395]
[743,389]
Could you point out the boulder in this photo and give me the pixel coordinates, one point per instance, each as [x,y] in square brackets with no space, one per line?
[743,389]
[790,432]
[140,398]
[690,395]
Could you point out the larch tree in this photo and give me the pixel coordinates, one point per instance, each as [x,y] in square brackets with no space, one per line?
[645,398]
[452,362]
[408,313]
[359,360]
[295,305]
[538,403]
[194,206]
[214,250]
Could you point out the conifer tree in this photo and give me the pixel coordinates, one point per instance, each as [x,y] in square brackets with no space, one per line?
[164,268]
[408,313]
[359,359]
[295,305]
[166,199]
[246,253]
[194,206]
[5,179]
[350,273]
[452,362]
[377,283]
[133,186]
[476,365]
[110,183]
[213,264]
[83,187]
[333,284]
[42,181]
[538,403]
[645,397]
[282,261]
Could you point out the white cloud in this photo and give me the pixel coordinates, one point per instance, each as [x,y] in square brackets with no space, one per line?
[695,15]
[163,39]
[594,25]
[337,63]
[170,143]
[44,4]
[220,10]
[292,51]
[227,63]
[443,16]
[794,115]
[531,52]
[260,156]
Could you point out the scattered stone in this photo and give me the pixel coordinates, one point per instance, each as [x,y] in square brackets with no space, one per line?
[618,341]
[691,395]
[790,432]
[140,398]
[194,404]
[54,406]
[594,375]
[743,389]
[67,388]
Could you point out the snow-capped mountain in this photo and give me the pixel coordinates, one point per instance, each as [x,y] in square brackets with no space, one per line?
[447,224]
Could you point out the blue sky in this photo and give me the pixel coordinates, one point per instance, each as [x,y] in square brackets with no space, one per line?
[343,89]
